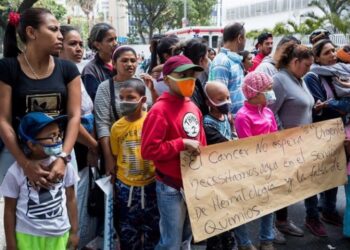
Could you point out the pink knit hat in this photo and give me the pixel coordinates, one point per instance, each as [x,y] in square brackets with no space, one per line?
[254,83]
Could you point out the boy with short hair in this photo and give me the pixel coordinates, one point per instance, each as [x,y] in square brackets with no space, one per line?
[217,124]
[218,129]
[174,124]
[39,218]
[137,213]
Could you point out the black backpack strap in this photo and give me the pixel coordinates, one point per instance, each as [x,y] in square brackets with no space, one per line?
[91,178]
[112,93]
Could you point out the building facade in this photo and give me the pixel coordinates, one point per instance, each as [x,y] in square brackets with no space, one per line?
[118,17]
[260,14]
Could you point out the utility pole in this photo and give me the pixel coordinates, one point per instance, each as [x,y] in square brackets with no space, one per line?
[184,19]
[220,13]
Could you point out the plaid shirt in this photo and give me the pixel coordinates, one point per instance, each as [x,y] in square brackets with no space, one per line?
[226,67]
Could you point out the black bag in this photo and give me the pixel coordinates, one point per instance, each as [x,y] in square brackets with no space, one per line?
[2,145]
[95,206]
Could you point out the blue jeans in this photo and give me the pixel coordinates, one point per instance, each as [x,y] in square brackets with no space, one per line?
[328,203]
[328,200]
[266,231]
[174,224]
[346,221]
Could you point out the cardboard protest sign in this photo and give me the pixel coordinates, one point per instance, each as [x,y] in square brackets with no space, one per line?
[235,182]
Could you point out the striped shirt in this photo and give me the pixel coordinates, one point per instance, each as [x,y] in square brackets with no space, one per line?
[226,68]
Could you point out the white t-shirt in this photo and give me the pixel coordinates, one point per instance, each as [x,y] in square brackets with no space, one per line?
[87,105]
[40,212]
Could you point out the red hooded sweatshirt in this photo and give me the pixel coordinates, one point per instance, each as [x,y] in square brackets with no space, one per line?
[170,120]
[256,61]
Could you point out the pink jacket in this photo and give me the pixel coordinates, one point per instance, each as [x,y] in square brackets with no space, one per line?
[252,120]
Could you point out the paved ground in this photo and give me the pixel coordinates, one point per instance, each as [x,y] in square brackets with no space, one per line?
[308,242]
[297,212]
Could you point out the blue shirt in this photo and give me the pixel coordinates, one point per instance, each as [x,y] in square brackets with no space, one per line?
[223,127]
[226,68]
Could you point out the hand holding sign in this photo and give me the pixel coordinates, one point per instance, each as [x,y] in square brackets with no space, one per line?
[232,183]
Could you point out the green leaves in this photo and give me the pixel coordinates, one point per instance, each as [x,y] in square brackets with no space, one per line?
[162,15]
[336,14]
[17,5]
[146,14]
[14,5]
[58,10]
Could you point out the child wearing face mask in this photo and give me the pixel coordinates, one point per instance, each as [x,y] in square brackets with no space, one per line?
[255,118]
[216,123]
[218,129]
[36,217]
[174,124]
[136,211]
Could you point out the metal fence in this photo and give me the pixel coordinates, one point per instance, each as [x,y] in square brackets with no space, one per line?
[337,39]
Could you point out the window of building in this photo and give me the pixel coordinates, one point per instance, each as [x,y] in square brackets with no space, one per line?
[259,10]
[252,10]
[264,6]
[271,6]
[246,11]
[285,5]
[241,12]
[274,4]
[305,3]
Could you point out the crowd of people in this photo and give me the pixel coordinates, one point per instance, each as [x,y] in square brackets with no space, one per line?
[58,122]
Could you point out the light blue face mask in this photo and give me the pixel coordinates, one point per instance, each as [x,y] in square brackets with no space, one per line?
[270,97]
[54,149]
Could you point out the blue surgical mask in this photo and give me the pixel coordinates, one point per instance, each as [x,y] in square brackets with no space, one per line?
[270,97]
[54,149]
